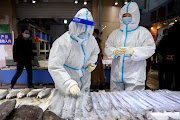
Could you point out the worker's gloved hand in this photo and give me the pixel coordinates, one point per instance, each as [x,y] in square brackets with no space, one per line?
[119,51]
[74,90]
[91,67]
[128,51]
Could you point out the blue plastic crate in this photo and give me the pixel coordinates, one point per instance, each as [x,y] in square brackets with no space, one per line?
[47,37]
[38,33]
[43,36]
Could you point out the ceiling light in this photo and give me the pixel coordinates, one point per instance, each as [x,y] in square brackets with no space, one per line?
[116,3]
[85,3]
[65,21]
[76,1]
[33,1]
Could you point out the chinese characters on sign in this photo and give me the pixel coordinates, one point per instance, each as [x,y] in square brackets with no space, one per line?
[5,38]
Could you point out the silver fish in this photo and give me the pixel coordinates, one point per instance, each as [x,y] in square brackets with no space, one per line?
[13,93]
[23,93]
[44,93]
[87,100]
[3,94]
[34,92]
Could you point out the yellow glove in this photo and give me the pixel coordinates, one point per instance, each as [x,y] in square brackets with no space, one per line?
[119,51]
[129,51]
[91,67]
[74,90]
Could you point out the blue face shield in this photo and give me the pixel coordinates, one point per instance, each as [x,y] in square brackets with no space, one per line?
[83,36]
[127,20]
[26,35]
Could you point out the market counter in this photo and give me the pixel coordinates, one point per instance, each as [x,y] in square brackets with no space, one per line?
[40,75]
[121,105]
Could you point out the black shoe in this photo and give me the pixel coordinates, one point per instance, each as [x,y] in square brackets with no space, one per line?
[96,90]
[31,86]
[11,86]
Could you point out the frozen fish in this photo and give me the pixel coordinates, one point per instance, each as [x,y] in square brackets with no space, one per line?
[13,93]
[27,112]
[44,93]
[88,101]
[48,115]
[6,108]
[33,92]
[23,93]
[3,94]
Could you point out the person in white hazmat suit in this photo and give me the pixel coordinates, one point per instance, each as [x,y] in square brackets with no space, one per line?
[129,47]
[73,56]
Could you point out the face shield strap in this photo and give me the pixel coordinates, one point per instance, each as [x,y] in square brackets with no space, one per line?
[83,21]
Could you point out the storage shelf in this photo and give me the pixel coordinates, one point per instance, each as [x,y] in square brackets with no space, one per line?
[41,46]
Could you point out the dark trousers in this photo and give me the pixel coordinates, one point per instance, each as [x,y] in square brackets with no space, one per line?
[161,75]
[169,75]
[167,69]
[177,79]
[19,71]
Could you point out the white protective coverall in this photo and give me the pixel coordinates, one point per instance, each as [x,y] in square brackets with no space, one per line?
[70,55]
[129,72]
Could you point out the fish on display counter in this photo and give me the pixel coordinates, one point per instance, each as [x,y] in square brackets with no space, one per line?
[3,94]
[27,112]
[23,93]
[13,93]
[34,92]
[45,92]
[6,108]
[48,115]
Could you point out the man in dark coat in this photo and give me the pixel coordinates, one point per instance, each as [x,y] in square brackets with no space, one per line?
[98,76]
[168,50]
[23,56]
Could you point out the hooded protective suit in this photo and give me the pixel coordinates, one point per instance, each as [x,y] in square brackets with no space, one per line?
[70,55]
[129,72]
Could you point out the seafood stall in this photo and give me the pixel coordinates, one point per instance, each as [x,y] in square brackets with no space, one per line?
[124,105]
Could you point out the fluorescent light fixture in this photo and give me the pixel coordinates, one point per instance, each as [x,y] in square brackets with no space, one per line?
[76,1]
[65,21]
[85,3]
[33,1]
[116,3]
